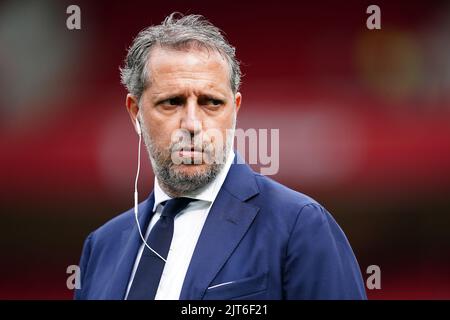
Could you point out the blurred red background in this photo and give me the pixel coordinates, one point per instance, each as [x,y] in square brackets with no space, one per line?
[370,108]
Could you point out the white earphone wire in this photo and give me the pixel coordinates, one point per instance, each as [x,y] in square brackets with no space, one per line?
[136,207]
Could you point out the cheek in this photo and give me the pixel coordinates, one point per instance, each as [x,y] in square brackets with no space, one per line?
[160,130]
[218,131]
[221,122]
[160,135]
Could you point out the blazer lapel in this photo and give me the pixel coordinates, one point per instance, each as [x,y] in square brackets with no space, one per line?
[227,222]
[130,241]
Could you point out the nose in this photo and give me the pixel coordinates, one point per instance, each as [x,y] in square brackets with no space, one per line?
[190,120]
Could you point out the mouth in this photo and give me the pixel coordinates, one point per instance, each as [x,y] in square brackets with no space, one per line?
[193,152]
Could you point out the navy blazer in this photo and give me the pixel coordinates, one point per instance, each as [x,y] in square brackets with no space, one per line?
[261,240]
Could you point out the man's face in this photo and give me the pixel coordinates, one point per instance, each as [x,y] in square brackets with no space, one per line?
[189,92]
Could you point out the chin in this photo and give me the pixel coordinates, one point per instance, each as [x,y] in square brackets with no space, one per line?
[191,169]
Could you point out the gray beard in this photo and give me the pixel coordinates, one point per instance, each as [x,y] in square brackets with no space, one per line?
[174,182]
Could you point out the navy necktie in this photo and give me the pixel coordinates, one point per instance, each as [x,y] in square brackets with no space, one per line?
[150,268]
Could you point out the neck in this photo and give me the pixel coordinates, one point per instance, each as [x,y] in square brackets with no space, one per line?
[169,190]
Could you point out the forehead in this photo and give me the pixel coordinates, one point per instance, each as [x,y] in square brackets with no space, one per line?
[194,65]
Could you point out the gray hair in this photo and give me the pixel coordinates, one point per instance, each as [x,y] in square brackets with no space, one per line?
[177,33]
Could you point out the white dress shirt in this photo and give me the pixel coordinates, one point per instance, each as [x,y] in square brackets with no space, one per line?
[188,225]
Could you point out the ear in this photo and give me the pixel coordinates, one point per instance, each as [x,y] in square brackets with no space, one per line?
[132,105]
[237,101]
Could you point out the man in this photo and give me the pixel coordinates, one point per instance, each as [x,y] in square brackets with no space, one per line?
[213,228]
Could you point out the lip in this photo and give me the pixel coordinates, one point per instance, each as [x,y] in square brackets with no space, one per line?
[190,153]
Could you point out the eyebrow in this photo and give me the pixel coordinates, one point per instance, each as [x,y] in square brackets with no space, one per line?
[159,97]
[212,96]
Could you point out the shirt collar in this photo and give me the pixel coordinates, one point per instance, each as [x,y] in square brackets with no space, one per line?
[207,193]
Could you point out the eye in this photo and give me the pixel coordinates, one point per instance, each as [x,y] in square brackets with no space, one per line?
[216,102]
[210,101]
[176,101]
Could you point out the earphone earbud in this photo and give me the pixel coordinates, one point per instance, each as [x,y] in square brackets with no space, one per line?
[138,127]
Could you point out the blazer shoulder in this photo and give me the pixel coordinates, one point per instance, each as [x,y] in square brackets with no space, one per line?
[281,194]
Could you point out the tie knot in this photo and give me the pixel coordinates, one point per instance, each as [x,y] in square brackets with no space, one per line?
[173,206]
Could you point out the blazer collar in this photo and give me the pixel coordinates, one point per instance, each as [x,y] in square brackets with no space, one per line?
[240,181]
[130,241]
[228,220]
